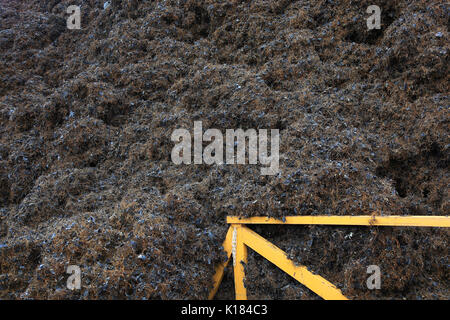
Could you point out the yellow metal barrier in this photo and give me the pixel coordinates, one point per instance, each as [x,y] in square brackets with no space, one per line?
[239,237]
[405,221]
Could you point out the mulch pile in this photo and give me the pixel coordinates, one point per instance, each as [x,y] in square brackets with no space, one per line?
[86,117]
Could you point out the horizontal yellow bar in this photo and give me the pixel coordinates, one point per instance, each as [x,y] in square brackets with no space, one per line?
[407,221]
[278,257]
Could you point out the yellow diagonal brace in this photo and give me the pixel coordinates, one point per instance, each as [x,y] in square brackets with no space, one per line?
[217,278]
[278,257]
[240,260]
[407,221]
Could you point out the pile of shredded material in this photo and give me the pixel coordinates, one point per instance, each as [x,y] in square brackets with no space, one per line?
[86,117]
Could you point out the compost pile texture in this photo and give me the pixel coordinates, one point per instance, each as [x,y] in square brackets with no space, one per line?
[86,116]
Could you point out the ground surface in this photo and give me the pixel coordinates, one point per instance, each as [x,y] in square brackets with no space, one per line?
[86,117]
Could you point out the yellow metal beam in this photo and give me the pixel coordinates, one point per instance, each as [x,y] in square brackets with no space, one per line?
[407,221]
[239,261]
[278,257]
[218,276]
[239,236]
